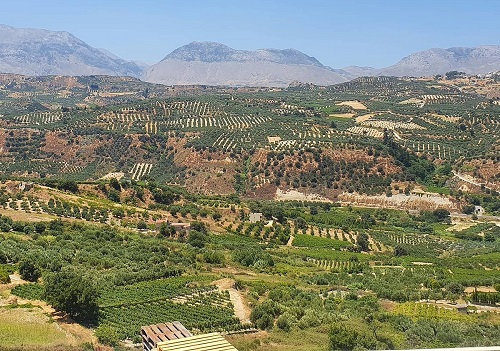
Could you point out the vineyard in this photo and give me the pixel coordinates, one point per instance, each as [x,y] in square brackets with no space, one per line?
[203,308]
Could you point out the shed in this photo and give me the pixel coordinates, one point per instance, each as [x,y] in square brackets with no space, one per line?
[203,342]
[153,334]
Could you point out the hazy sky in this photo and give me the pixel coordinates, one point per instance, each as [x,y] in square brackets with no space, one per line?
[338,33]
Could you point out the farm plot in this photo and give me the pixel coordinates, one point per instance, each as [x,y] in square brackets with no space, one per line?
[39,118]
[391,125]
[339,266]
[204,308]
[371,132]
[140,170]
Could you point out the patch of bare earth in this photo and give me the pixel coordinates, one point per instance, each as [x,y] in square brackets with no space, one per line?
[241,309]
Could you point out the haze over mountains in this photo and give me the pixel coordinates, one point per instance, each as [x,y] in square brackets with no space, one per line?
[43,52]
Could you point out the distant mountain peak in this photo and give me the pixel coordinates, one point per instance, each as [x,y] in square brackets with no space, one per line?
[472,60]
[208,51]
[45,52]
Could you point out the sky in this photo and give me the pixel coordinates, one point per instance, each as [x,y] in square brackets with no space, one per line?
[372,33]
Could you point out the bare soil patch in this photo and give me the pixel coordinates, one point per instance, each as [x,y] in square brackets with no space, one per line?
[354,104]
[241,309]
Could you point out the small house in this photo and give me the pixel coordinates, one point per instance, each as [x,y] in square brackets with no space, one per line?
[255,217]
[478,210]
[181,227]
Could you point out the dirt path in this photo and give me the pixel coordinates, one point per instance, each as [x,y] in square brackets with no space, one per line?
[241,309]
[469,179]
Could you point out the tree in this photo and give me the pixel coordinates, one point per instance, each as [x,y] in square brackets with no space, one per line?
[197,239]
[441,215]
[69,185]
[70,292]
[284,322]
[29,269]
[40,227]
[342,338]
[167,230]
[400,251]
[115,184]
[142,225]
[362,241]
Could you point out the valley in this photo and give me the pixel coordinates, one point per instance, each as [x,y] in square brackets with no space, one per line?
[367,209]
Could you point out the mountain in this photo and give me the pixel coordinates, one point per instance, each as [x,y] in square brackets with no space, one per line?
[476,60]
[44,52]
[210,63]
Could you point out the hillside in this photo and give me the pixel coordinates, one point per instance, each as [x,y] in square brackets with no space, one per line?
[208,63]
[370,141]
[44,52]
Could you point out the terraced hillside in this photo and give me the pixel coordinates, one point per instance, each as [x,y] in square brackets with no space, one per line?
[371,136]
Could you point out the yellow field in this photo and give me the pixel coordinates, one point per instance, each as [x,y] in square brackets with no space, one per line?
[342,115]
[363,118]
[354,104]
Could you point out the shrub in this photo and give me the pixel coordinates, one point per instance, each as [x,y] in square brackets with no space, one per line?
[142,225]
[400,251]
[167,230]
[4,276]
[213,257]
[342,338]
[107,335]
[197,239]
[284,322]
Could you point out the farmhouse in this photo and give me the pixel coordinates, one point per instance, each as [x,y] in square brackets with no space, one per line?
[255,217]
[181,227]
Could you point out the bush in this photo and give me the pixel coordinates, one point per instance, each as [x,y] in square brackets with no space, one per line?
[284,322]
[213,257]
[40,227]
[166,230]
[142,225]
[400,251]
[69,185]
[197,239]
[107,335]
[342,338]
[263,315]
[253,257]
[4,276]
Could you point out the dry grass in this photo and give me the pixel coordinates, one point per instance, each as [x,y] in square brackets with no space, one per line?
[363,118]
[354,104]
[29,327]
[342,115]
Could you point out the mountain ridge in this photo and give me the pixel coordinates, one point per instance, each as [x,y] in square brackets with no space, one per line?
[44,52]
[40,52]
